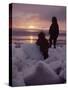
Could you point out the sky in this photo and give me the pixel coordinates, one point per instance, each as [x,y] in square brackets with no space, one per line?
[37,16]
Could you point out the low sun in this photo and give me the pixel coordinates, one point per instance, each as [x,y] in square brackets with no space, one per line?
[31,27]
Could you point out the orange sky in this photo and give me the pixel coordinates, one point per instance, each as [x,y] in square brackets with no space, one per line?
[36,24]
[37,16]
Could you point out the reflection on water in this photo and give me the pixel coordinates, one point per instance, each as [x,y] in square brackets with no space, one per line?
[25,39]
[32,39]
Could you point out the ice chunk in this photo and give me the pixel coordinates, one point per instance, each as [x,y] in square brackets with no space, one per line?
[43,74]
[32,51]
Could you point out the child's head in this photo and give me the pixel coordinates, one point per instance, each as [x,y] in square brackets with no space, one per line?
[54,19]
[41,35]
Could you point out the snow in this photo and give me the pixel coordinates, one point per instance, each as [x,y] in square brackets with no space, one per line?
[29,67]
[42,74]
[32,51]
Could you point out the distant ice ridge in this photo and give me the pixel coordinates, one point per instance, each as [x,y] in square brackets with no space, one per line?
[29,67]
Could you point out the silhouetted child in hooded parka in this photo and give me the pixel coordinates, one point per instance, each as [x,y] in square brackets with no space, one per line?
[42,42]
[54,32]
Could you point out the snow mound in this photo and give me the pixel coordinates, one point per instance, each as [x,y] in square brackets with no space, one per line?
[32,51]
[57,59]
[43,74]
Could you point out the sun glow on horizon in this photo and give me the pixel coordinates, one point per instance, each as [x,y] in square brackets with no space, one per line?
[31,27]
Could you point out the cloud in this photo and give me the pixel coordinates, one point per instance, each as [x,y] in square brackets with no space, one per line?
[44,11]
[24,14]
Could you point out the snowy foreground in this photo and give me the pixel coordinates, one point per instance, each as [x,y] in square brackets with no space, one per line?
[29,67]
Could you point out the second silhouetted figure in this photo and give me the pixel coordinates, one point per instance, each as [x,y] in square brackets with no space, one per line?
[42,42]
[54,32]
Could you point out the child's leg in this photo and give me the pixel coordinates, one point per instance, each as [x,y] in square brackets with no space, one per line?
[54,42]
[50,42]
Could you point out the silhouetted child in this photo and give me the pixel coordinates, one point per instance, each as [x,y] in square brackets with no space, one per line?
[54,32]
[42,42]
